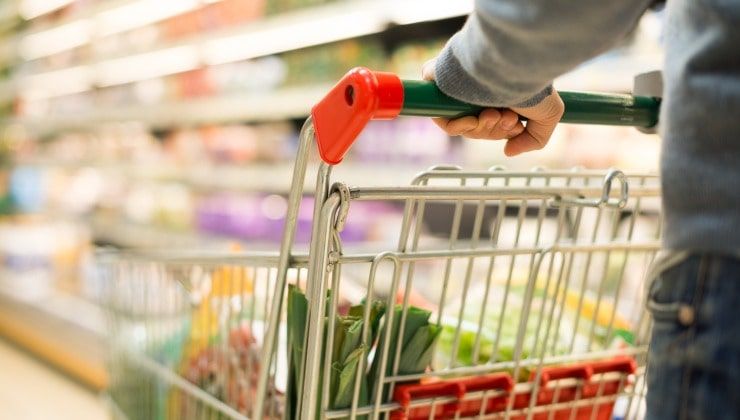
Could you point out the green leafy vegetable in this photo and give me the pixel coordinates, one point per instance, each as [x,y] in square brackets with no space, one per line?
[417,353]
[417,345]
[297,312]
[343,377]
[347,350]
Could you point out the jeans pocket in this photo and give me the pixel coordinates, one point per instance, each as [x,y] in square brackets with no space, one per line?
[667,300]
[674,312]
[663,311]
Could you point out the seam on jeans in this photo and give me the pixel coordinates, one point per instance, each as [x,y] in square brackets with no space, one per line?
[691,333]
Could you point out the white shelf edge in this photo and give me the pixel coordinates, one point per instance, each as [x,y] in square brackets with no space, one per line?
[133,235]
[97,8]
[294,102]
[64,306]
[252,177]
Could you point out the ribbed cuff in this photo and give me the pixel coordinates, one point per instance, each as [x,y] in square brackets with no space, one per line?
[456,82]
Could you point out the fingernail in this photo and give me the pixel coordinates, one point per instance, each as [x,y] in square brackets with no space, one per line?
[508,124]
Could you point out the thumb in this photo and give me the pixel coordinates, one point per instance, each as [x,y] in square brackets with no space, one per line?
[543,118]
[427,70]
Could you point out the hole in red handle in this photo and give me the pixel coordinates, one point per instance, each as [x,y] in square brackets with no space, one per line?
[349,95]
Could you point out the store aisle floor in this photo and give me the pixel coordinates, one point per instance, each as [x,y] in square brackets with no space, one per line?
[31,390]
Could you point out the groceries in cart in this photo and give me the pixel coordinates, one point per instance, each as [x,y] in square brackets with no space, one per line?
[417,345]
[482,326]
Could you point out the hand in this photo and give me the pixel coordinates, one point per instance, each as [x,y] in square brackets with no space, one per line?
[499,124]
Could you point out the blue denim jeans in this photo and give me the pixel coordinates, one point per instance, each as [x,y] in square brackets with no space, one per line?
[694,360]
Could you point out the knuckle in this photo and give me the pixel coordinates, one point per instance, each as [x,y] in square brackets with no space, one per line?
[491,113]
[558,108]
[559,112]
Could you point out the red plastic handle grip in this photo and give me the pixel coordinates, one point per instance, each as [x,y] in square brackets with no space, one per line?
[361,95]
[405,393]
[621,364]
[496,381]
[492,382]
[456,388]
[580,371]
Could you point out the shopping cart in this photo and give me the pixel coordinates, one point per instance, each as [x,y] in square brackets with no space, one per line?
[509,294]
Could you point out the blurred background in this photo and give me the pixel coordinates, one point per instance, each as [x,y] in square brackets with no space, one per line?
[173,123]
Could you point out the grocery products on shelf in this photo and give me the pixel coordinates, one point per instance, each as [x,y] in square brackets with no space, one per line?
[408,59]
[262,218]
[225,180]
[91,55]
[307,67]
[40,255]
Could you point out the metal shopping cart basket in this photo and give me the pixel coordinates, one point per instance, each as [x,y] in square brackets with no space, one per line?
[523,298]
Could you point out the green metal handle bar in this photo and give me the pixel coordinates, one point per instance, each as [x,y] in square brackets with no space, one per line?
[423,98]
[363,95]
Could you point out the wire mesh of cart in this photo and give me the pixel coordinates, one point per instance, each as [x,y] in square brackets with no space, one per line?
[507,294]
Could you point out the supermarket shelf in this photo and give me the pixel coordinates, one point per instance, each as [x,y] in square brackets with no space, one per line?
[251,177]
[317,25]
[276,178]
[89,12]
[268,106]
[113,231]
[61,329]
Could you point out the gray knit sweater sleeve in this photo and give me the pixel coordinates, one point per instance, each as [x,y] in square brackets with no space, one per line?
[509,51]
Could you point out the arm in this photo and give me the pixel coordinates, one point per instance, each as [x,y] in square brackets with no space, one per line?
[508,53]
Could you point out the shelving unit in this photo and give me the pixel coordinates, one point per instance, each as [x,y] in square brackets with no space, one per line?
[62,329]
[318,25]
[128,235]
[263,177]
[285,104]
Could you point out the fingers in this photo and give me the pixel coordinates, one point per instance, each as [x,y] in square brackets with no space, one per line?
[494,124]
[517,130]
[487,122]
[509,120]
[491,124]
[457,126]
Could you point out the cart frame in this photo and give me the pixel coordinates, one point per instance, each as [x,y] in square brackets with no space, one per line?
[325,257]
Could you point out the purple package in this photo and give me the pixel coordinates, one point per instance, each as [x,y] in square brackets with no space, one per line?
[262,217]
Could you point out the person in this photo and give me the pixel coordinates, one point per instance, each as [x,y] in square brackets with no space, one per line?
[506,57]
